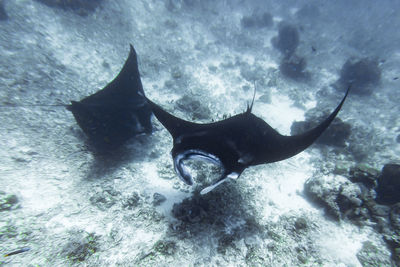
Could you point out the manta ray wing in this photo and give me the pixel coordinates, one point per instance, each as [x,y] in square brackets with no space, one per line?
[116,113]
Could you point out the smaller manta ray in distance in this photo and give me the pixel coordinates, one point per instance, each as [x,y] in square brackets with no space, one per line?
[117,112]
[114,114]
[235,143]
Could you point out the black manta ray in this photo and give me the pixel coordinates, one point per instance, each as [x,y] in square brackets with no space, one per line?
[235,143]
[114,114]
[117,112]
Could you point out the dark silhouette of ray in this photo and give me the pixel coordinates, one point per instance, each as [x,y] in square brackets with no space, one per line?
[116,113]
[235,143]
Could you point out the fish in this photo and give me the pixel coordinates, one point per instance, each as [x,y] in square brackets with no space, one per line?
[235,143]
[117,112]
[21,250]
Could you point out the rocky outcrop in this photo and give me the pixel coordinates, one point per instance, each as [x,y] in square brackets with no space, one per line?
[288,39]
[365,197]
[336,135]
[294,67]
[8,201]
[158,199]
[388,189]
[362,74]
[340,198]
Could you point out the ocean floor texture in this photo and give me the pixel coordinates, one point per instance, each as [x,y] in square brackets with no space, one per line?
[335,204]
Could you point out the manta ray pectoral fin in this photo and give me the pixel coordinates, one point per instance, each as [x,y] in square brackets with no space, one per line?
[117,112]
[224,178]
[290,146]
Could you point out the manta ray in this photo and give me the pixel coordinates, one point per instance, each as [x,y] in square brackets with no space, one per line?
[116,113]
[121,111]
[235,143]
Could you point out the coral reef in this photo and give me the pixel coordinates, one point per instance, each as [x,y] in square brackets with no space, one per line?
[362,74]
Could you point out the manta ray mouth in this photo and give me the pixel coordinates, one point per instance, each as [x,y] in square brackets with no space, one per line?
[182,171]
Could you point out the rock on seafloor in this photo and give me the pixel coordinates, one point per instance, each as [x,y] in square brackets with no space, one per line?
[362,74]
[353,199]
[389,185]
[8,201]
[288,39]
[370,255]
[80,246]
[158,199]
[336,135]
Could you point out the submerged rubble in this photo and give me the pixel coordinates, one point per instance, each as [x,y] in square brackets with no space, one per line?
[158,199]
[132,201]
[336,135]
[80,246]
[359,199]
[8,201]
[193,107]
[365,175]
[294,67]
[370,255]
